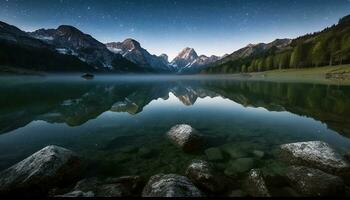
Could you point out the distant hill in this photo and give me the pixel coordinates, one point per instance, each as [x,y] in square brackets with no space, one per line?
[328,47]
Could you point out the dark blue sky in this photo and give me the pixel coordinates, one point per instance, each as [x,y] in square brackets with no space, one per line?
[210,26]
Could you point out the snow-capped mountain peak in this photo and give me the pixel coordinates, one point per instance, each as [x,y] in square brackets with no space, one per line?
[189,61]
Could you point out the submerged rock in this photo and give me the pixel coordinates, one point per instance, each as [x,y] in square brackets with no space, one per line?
[258,154]
[186,137]
[170,185]
[314,182]
[127,186]
[234,151]
[315,154]
[77,194]
[41,171]
[204,176]
[255,184]
[214,154]
[238,167]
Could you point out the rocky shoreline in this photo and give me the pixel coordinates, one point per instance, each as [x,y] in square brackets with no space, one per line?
[314,169]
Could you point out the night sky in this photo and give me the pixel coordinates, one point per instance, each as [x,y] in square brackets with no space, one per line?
[167,26]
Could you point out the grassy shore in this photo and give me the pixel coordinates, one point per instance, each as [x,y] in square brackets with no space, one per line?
[339,75]
[5,70]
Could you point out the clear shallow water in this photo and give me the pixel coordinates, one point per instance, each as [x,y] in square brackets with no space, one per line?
[119,124]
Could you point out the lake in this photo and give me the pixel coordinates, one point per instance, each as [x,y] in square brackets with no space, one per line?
[119,124]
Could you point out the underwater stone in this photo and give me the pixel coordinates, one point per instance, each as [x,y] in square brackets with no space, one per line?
[186,137]
[255,184]
[170,185]
[214,154]
[204,176]
[314,182]
[258,154]
[88,184]
[234,151]
[126,186]
[315,154]
[77,194]
[239,166]
[40,172]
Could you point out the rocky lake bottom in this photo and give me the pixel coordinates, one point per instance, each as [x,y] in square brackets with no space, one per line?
[141,136]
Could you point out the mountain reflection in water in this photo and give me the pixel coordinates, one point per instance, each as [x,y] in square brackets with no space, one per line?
[120,123]
[77,102]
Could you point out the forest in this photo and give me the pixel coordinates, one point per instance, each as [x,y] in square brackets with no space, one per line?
[326,48]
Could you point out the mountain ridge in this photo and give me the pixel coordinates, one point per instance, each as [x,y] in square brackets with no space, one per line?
[133,51]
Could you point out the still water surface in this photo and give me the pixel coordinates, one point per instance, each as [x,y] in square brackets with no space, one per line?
[119,124]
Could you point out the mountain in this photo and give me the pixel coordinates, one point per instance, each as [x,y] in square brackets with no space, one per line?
[184,58]
[20,52]
[132,50]
[188,61]
[325,48]
[255,49]
[71,41]
[13,34]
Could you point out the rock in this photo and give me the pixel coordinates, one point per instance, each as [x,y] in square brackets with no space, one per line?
[315,154]
[274,173]
[40,172]
[127,186]
[238,167]
[237,193]
[133,183]
[314,182]
[204,176]
[88,184]
[256,185]
[258,154]
[186,137]
[214,154]
[234,151]
[113,190]
[170,185]
[77,194]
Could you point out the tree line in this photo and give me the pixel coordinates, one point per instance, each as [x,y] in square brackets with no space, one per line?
[326,48]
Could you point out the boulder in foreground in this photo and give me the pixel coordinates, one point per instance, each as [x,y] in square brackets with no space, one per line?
[314,182]
[256,185]
[204,176]
[315,154]
[170,185]
[126,186]
[39,172]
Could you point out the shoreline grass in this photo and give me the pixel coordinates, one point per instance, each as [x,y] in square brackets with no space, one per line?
[339,75]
